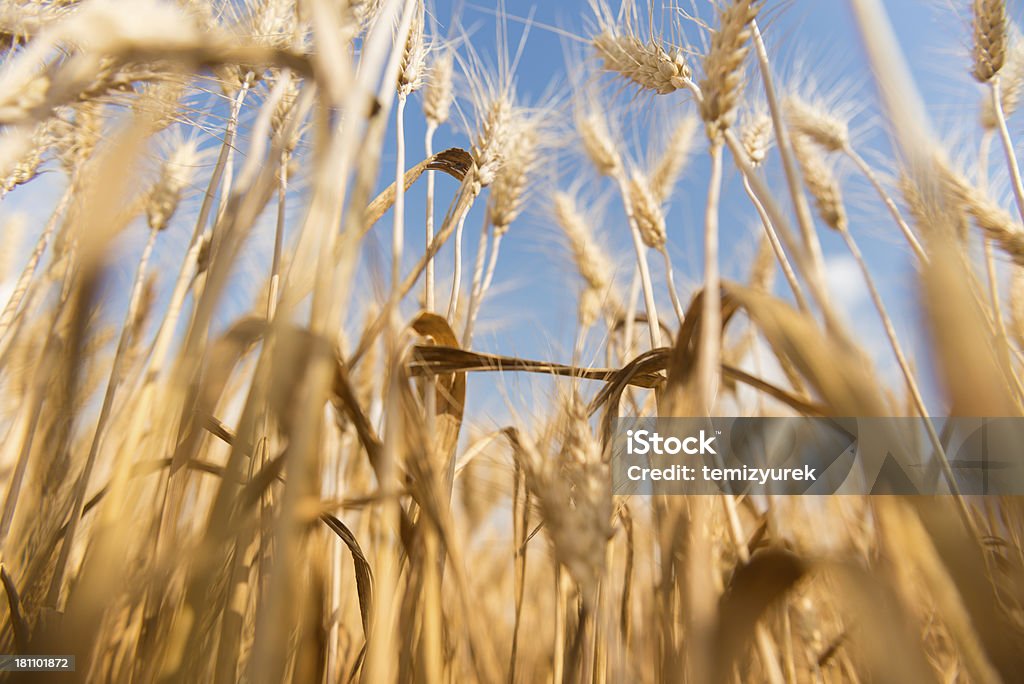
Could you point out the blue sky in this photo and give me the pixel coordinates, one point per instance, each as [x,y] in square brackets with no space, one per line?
[531,308]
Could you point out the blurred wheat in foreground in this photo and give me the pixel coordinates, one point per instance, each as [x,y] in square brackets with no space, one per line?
[288,489]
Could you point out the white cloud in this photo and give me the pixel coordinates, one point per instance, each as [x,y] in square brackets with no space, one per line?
[846,286]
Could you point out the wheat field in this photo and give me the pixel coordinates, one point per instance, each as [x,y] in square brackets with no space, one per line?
[240,437]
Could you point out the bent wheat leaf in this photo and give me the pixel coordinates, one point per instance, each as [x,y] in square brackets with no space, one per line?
[454,161]
[450,388]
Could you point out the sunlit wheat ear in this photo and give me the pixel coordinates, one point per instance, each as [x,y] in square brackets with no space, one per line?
[414,55]
[76,133]
[821,183]
[175,176]
[923,209]
[271,23]
[574,499]
[994,221]
[598,143]
[282,111]
[363,12]
[160,101]
[650,220]
[756,135]
[510,184]
[815,122]
[1011,82]
[648,65]
[673,158]
[492,138]
[438,93]
[26,166]
[591,260]
[990,38]
[723,64]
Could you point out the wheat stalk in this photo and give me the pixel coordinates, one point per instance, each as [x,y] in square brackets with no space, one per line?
[437,101]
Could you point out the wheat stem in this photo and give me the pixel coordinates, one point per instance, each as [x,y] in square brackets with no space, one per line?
[653,324]
[165,334]
[762,637]
[671,283]
[453,300]
[869,173]
[478,279]
[463,202]
[711,314]
[763,194]
[25,279]
[477,300]
[398,235]
[905,369]
[800,206]
[22,435]
[275,261]
[1011,154]
[630,323]
[428,284]
[780,254]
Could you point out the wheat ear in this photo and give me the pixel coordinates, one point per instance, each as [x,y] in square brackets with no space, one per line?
[990,38]
[653,322]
